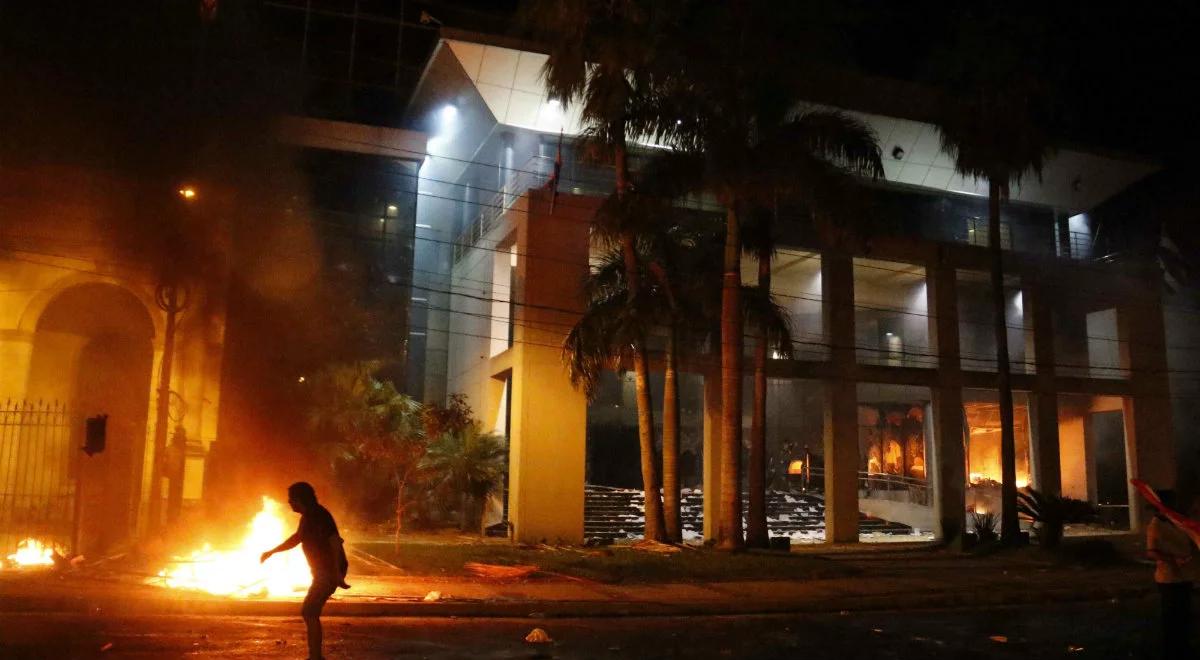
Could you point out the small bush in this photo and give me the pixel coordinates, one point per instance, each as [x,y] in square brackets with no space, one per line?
[1051,512]
[984,525]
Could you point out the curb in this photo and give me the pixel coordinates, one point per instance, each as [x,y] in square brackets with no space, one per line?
[525,609]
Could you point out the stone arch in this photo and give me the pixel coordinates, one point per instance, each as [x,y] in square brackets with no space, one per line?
[31,316]
[93,348]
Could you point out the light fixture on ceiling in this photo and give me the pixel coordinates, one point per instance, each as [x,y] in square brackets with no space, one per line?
[898,152]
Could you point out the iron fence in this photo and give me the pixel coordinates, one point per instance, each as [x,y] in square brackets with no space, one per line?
[37,474]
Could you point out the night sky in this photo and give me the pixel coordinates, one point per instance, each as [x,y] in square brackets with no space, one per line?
[1122,68]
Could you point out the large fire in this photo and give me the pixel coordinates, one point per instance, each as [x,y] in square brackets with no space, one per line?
[32,552]
[238,572]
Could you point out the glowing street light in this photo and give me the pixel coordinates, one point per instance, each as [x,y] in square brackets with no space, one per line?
[188,193]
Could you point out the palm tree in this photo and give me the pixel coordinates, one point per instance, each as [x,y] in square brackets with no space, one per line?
[610,333]
[372,423]
[602,55]
[732,107]
[752,160]
[840,147]
[993,126]
[466,463]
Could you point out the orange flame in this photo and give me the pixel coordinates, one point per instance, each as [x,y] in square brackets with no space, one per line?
[32,552]
[238,572]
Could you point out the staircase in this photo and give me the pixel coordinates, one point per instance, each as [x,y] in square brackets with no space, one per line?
[616,513]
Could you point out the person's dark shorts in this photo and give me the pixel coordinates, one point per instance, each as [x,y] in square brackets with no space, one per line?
[318,592]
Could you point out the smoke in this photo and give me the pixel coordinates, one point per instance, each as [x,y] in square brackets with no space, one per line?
[107,117]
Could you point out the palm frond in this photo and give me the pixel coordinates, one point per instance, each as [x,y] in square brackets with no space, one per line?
[832,136]
[761,311]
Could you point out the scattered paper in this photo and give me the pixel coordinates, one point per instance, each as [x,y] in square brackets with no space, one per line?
[654,546]
[499,572]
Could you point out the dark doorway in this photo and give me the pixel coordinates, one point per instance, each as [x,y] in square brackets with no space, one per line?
[1107,430]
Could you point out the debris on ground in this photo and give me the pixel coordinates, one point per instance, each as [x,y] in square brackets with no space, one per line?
[538,636]
[498,572]
[1000,639]
[647,545]
[107,647]
[433,597]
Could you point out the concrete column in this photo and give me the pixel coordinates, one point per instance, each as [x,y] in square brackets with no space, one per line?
[1150,453]
[951,477]
[841,401]
[1047,465]
[16,354]
[712,454]
[548,425]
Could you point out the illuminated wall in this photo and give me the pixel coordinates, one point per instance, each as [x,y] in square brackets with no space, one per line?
[891,314]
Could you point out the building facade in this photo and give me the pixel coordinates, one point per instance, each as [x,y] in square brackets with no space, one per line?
[891,394]
[85,323]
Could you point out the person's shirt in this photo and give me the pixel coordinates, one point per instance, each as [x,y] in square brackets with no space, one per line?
[316,529]
[1165,538]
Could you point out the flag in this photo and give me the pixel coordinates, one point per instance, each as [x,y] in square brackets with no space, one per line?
[1185,524]
[552,182]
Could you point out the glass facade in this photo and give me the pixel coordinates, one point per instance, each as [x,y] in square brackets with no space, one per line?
[1087,340]
[891,314]
[981,411]
[976,324]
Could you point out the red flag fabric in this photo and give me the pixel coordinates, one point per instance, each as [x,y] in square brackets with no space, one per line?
[552,183]
[1185,524]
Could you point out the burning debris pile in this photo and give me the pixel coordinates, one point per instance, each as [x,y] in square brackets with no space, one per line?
[237,571]
[31,552]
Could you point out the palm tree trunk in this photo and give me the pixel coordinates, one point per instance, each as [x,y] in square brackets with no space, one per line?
[1009,525]
[670,441]
[654,528]
[399,508]
[729,528]
[757,534]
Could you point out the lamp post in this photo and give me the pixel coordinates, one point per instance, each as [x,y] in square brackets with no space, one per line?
[170,297]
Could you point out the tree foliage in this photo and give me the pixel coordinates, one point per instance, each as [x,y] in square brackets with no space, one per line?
[468,464]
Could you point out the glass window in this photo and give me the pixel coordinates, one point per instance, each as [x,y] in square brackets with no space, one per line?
[981,409]
[976,330]
[891,314]
[1086,339]
[796,287]
[895,437]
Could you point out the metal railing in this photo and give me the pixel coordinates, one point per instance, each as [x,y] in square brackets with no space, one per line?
[37,480]
[575,178]
[917,489]
[532,175]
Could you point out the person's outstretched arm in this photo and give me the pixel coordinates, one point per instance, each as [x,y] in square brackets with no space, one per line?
[291,542]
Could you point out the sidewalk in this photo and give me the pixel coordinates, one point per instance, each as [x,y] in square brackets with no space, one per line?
[903,580]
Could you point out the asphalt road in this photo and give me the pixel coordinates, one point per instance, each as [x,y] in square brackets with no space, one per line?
[1126,629]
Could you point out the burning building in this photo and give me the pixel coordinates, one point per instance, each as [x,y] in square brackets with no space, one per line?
[915,400]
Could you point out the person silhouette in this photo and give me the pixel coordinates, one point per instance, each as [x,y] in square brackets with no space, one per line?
[1172,551]
[324,550]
